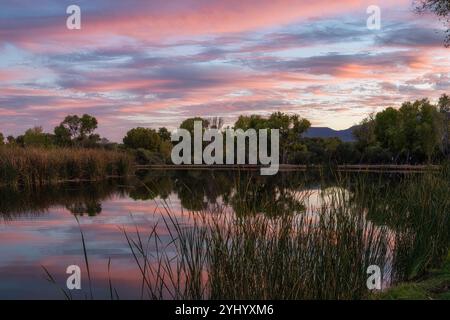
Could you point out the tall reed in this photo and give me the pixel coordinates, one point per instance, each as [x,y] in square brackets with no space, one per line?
[37,167]
[321,255]
[403,226]
[322,252]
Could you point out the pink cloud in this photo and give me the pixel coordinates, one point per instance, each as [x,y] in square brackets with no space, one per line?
[181,18]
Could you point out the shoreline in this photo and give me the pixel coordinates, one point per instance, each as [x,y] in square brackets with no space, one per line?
[294,167]
[435,285]
[372,168]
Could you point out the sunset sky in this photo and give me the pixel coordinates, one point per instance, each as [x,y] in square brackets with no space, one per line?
[155,63]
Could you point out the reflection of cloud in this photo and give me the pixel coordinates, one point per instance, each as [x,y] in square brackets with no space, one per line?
[53,240]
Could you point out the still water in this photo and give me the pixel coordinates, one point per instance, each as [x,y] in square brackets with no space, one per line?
[39,229]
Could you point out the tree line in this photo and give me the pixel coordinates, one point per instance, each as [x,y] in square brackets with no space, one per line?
[417,132]
[73,131]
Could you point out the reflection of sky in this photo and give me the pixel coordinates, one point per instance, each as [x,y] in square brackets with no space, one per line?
[53,240]
[153,63]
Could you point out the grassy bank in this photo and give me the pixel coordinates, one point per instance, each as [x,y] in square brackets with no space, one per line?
[435,285]
[35,166]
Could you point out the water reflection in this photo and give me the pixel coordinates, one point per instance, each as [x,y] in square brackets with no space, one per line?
[245,192]
[38,227]
[80,199]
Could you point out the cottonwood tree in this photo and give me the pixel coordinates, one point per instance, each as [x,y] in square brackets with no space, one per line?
[142,138]
[412,133]
[188,124]
[290,127]
[77,130]
[365,133]
[36,137]
[164,134]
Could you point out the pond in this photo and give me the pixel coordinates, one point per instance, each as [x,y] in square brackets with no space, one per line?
[39,229]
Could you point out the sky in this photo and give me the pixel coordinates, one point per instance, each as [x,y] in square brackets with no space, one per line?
[154,63]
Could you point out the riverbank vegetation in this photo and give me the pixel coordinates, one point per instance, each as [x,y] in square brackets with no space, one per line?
[74,152]
[320,250]
[434,286]
[320,253]
[33,167]
[416,133]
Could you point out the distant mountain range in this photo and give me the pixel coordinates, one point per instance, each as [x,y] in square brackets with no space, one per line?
[325,132]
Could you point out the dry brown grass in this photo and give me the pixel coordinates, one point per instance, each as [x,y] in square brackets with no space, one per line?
[35,166]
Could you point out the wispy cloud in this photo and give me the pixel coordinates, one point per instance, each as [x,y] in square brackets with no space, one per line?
[155,63]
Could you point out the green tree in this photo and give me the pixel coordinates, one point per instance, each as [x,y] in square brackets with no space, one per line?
[144,138]
[387,129]
[412,133]
[164,134]
[421,128]
[35,137]
[72,124]
[79,130]
[2,139]
[88,125]
[188,124]
[165,149]
[365,133]
[20,140]
[347,153]
[444,104]
[251,122]
[430,129]
[62,136]
[291,127]
[91,140]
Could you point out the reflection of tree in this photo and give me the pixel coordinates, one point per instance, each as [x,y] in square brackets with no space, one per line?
[415,208]
[83,198]
[269,195]
[245,191]
[149,186]
[91,208]
[197,189]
